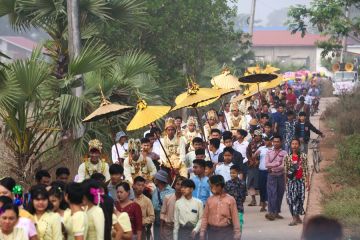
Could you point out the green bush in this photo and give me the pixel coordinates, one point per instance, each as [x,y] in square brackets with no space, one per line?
[344,114]
[345,206]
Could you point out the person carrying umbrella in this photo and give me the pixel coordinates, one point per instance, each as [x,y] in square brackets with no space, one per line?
[122,147]
[175,149]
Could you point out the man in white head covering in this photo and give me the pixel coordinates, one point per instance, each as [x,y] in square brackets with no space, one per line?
[122,147]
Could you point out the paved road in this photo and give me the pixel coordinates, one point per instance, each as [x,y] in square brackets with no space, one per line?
[256,227]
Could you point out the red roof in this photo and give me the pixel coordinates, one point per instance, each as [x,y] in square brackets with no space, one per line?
[21,42]
[269,38]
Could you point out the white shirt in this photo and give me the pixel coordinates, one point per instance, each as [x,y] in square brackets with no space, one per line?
[248,118]
[189,158]
[307,98]
[215,156]
[223,126]
[241,148]
[224,170]
[100,167]
[121,148]
[156,147]
[187,211]
[263,150]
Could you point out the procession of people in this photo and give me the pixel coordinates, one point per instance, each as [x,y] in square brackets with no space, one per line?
[186,180]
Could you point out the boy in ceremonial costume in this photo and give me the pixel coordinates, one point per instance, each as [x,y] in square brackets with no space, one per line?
[93,164]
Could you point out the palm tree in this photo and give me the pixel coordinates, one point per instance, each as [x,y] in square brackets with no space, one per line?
[38,109]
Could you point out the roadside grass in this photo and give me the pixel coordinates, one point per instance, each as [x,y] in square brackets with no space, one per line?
[343,203]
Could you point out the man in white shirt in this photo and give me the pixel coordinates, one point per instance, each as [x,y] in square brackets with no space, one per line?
[241,144]
[121,147]
[223,168]
[214,148]
[188,213]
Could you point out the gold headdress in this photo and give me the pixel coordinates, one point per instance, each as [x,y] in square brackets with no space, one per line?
[170,122]
[191,121]
[234,106]
[95,144]
[212,115]
[134,145]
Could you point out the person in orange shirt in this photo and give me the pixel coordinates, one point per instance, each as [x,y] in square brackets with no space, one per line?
[220,219]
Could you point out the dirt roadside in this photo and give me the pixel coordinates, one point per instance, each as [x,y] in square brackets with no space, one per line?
[320,186]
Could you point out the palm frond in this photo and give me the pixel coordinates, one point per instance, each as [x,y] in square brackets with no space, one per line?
[17,20]
[93,8]
[136,62]
[128,12]
[30,74]
[9,93]
[93,56]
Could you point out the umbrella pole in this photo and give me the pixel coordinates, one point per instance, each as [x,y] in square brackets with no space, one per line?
[113,139]
[258,87]
[202,129]
[167,157]
[223,109]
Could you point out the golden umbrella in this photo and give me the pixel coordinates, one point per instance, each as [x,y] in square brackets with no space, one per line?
[225,80]
[107,110]
[180,98]
[270,69]
[246,94]
[196,95]
[147,114]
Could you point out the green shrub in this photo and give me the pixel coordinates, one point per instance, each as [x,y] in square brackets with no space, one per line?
[345,206]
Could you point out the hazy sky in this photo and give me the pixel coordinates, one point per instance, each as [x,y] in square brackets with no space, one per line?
[264,7]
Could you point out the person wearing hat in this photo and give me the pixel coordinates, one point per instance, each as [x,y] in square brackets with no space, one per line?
[122,147]
[138,164]
[211,123]
[162,190]
[253,165]
[237,120]
[190,132]
[93,164]
[175,149]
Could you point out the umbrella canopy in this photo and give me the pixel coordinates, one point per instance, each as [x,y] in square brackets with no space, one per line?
[196,96]
[270,69]
[146,114]
[106,110]
[258,78]
[246,94]
[225,80]
[184,95]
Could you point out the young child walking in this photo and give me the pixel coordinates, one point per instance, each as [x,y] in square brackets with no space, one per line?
[236,187]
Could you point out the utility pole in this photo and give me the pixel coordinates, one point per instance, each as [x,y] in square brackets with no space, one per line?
[252,18]
[74,42]
[344,39]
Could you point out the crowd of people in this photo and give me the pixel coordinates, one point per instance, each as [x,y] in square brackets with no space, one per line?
[175,184]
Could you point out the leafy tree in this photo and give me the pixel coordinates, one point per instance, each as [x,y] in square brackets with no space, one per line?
[328,17]
[183,35]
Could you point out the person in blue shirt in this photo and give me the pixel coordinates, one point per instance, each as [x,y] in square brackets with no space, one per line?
[278,120]
[202,189]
